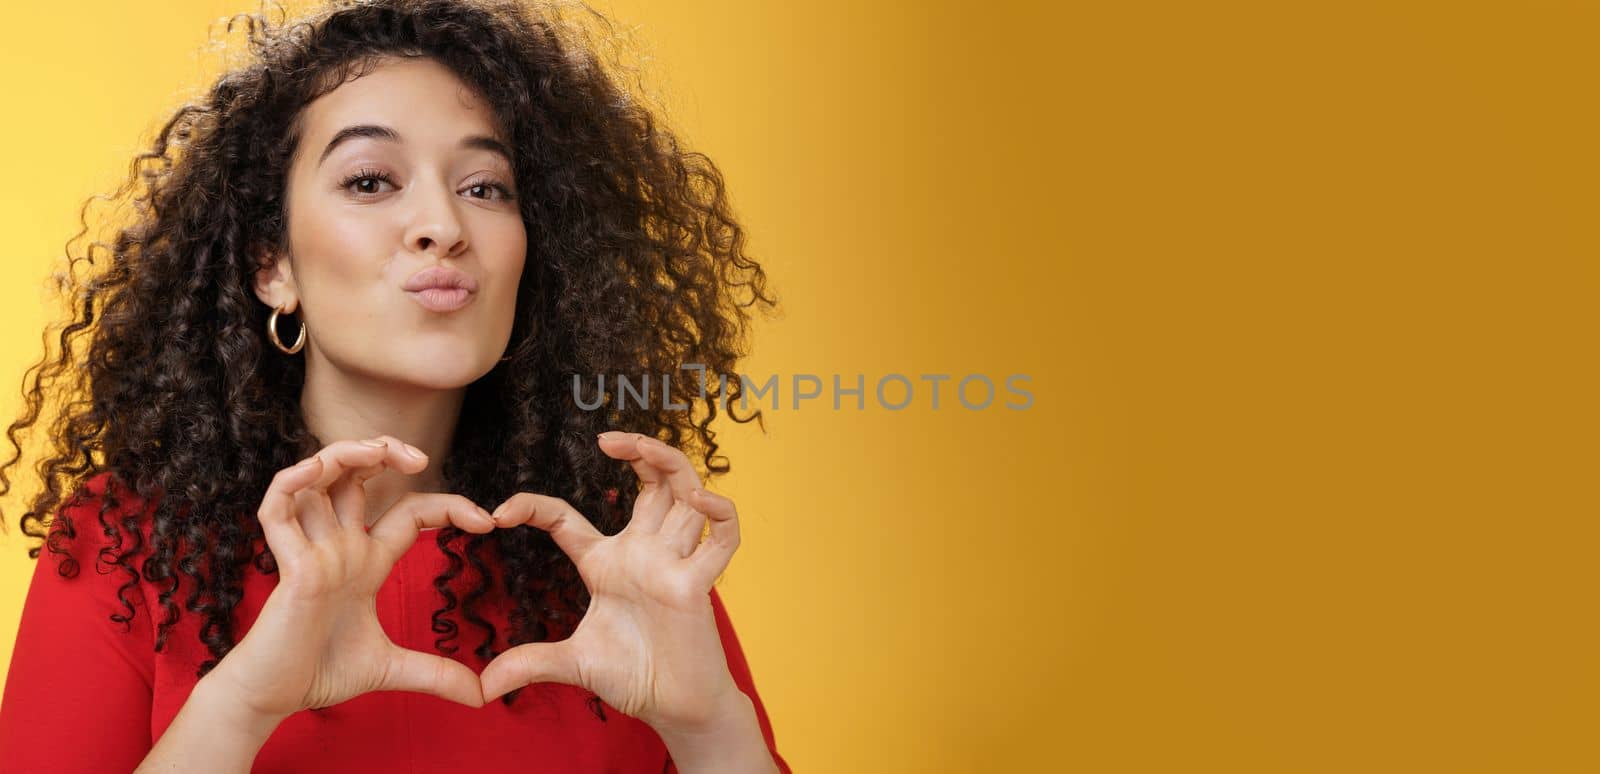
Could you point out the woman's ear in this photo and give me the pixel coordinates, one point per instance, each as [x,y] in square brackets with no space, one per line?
[275,281]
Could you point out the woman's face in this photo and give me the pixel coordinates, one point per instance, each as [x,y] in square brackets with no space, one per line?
[400,171]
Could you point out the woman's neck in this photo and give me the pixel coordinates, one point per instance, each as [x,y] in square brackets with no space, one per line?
[339,406]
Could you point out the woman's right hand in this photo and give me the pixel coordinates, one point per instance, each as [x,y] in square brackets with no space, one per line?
[317,640]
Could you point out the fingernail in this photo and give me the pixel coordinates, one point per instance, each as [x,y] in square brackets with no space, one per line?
[306,463]
[414,451]
[373,442]
[607,435]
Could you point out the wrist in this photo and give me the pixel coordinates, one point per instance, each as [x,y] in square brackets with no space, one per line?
[220,694]
[730,741]
[214,731]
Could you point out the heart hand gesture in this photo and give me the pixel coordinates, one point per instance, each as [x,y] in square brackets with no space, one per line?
[648,644]
[317,640]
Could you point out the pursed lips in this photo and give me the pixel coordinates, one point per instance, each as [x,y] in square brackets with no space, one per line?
[441,288]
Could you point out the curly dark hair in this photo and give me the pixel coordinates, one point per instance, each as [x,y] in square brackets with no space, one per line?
[178,400]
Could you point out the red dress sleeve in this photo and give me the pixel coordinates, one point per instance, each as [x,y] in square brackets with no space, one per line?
[741,676]
[77,696]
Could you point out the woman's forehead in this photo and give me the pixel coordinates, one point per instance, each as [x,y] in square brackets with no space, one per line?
[419,101]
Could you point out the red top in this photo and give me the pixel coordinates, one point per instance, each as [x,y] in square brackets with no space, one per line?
[83,695]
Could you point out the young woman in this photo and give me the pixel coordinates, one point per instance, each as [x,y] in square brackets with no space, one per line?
[266,541]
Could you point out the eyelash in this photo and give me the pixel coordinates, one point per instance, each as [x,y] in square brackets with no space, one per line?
[365,174]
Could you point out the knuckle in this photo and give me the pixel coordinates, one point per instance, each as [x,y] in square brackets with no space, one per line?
[265,512]
[564,509]
[709,505]
[676,459]
[283,473]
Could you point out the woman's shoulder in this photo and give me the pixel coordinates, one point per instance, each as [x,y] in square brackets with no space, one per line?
[103,516]
[87,575]
[101,488]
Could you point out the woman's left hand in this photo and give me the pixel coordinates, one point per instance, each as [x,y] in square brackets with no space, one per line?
[648,644]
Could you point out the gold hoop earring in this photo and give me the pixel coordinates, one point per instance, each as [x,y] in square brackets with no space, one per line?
[272,333]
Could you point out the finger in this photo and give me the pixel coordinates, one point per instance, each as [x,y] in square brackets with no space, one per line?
[683,528]
[410,670]
[396,529]
[348,497]
[713,556]
[661,468]
[571,531]
[650,506]
[534,662]
[282,530]
[315,513]
[341,457]
[349,494]
[313,504]
[672,465]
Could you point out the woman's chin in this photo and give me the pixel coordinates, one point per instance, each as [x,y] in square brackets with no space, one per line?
[442,370]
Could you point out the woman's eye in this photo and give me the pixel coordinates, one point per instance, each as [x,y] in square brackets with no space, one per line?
[365,183]
[488,188]
[370,183]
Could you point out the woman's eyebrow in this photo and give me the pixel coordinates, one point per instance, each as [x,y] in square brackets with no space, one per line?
[376,132]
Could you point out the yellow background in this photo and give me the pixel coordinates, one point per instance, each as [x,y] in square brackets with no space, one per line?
[1307,294]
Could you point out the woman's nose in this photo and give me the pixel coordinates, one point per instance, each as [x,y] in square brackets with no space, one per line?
[435,225]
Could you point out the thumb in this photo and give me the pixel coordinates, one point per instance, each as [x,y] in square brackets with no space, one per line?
[533,662]
[409,670]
